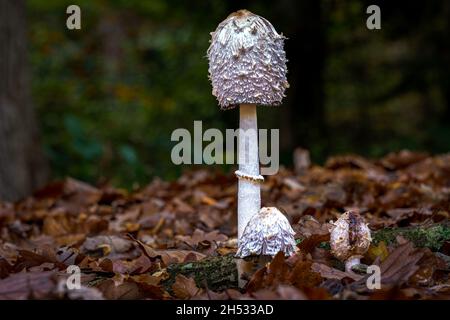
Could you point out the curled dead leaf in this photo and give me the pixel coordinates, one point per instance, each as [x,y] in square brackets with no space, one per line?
[185,288]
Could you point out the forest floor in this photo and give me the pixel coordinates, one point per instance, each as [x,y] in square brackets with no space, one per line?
[176,240]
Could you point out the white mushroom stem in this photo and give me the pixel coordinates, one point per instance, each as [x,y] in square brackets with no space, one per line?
[249,191]
[352,261]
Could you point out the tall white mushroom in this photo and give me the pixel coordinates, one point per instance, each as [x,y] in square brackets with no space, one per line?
[247,67]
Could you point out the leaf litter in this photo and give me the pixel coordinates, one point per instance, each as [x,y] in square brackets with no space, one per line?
[127,244]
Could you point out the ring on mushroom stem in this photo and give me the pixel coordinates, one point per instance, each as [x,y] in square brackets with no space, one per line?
[247,67]
[241,175]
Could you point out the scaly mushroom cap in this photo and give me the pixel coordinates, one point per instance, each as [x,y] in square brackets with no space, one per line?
[350,236]
[247,62]
[267,233]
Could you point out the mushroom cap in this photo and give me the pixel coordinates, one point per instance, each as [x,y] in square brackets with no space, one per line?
[349,236]
[247,62]
[267,233]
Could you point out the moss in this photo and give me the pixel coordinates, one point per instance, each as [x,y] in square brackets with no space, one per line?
[432,236]
[325,245]
[215,273]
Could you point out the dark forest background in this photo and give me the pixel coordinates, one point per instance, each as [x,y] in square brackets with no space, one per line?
[100,103]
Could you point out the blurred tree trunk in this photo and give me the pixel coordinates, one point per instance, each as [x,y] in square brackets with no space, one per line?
[22,164]
[445,68]
[305,114]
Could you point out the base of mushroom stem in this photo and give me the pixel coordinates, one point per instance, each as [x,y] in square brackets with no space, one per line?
[352,261]
[247,266]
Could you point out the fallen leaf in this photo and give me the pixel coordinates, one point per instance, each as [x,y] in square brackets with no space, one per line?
[332,273]
[184,288]
[168,256]
[112,246]
[378,251]
[128,290]
[199,236]
[309,244]
[20,286]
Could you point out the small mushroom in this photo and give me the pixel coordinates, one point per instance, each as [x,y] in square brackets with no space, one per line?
[349,238]
[247,67]
[267,233]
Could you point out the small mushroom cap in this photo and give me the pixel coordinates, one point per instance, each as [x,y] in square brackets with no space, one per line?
[350,236]
[247,62]
[267,233]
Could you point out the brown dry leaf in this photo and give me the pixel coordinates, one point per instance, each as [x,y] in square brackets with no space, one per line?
[127,290]
[303,276]
[131,288]
[402,159]
[169,256]
[130,216]
[28,259]
[70,239]
[308,226]
[82,293]
[396,269]
[67,255]
[277,272]
[9,251]
[200,237]
[182,206]
[5,268]
[136,266]
[223,251]
[185,288]
[349,162]
[282,292]
[212,295]
[20,286]
[56,225]
[147,279]
[287,292]
[71,195]
[177,256]
[209,201]
[429,264]
[309,244]
[400,265]
[112,246]
[332,273]
[400,215]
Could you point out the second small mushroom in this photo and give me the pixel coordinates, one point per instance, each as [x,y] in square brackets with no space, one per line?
[350,238]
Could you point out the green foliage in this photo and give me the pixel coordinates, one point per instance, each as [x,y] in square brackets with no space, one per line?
[109,95]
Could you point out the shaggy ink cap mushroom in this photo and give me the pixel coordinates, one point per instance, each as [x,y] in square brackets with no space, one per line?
[247,67]
[267,233]
[350,238]
[247,62]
